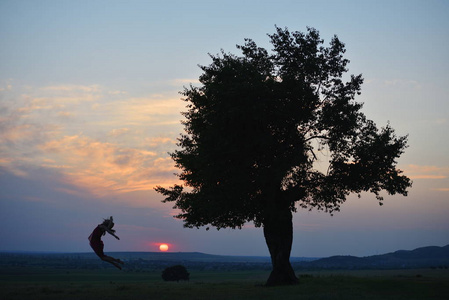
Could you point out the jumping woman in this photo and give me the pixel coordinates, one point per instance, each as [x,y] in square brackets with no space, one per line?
[97,244]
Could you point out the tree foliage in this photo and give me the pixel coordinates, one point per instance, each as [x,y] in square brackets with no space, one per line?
[256,126]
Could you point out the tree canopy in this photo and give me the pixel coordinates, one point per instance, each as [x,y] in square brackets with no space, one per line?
[256,126]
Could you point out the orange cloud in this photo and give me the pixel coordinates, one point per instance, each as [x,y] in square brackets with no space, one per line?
[17,133]
[185,81]
[99,140]
[426,172]
[13,165]
[65,114]
[104,168]
[442,189]
[138,111]
[158,141]
[72,87]
[118,132]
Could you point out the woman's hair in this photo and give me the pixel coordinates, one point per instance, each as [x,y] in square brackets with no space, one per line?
[109,223]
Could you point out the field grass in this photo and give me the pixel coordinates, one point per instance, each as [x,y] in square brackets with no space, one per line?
[42,283]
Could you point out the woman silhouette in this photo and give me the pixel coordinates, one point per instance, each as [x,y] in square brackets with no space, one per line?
[97,244]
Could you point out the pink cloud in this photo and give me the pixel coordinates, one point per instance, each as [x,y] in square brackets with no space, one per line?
[104,168]
[113,145]
[426,172]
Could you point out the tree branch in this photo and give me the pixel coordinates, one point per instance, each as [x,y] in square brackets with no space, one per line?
[317,137]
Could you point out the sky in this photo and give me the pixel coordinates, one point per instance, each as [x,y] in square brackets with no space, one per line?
[90,108]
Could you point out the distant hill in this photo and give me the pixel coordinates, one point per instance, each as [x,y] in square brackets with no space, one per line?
[189,256]
[200,257]
[137,261]
[162,256]
[424,257]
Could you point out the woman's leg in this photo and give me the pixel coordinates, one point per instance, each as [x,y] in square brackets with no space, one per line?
[114,261]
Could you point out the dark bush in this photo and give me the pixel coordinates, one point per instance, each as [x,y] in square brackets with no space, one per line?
[175,273]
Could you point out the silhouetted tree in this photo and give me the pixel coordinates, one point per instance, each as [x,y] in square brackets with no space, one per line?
[175,273]
[256,127]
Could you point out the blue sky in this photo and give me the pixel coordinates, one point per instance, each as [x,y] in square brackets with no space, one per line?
[89,108]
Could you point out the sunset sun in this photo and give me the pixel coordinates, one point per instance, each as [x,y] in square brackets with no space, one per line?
[163,247]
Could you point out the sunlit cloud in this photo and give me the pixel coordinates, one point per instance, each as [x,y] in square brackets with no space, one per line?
[17,133]
[426,172]
[66,95]
[118,132]
[104,168]
[185,81]
[159,140]
[117,93]
[65,114]
[138,111]
[71,88]
[13,166]
[98,140]
[6,86]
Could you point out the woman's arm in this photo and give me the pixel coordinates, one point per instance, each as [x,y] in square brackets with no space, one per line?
[110,231]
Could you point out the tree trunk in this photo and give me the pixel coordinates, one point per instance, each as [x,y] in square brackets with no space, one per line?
[278,232]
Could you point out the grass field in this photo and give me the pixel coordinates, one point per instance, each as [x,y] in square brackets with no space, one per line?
[43,283]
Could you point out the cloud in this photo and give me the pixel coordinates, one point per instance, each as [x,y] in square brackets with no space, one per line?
[161,142]
[7,87]
[426,172]
[180,81]
[140,111]
[102,141]
[117,93]
[118,132]
[13,166]
[104,168]
[72,88]
[65,114]
[17,133]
